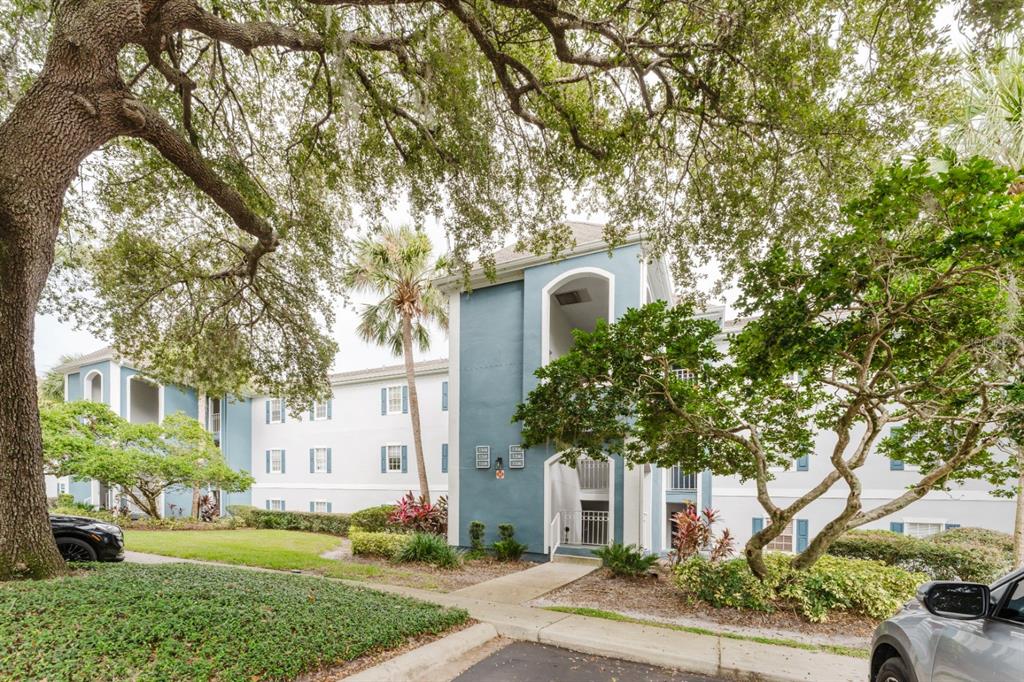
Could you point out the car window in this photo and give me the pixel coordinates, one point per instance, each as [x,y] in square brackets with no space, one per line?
[1013,608]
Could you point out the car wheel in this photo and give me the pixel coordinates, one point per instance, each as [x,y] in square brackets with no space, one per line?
[75,550]
[893,670]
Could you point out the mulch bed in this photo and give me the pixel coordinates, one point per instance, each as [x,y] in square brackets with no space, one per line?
[657,598]
[430,577]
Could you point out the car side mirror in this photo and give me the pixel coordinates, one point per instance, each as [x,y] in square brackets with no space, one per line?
[961,601]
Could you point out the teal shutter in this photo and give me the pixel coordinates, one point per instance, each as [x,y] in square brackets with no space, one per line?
[801,535]
[311,506]
[328,460]
[383,401]
[266,404]
[895,465]
[896,527]
[329,402]
[282,461]
[383,459]
[951,526]
[757,524]
[312,460]
[405,400]
[268,505]
[444,395]
[328,507]
[312,412]
[405,459]
[284,412]
[802,463]
[268,465]
[444,458]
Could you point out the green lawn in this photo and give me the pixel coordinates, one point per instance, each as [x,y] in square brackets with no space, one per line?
[192,622]
[280,549]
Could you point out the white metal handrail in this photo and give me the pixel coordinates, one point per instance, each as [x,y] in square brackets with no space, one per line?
[554,534]
[586,527]
[593,474]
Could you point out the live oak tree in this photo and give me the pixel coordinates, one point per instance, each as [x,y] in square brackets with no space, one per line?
[87,440]
[896,338]
[215,151]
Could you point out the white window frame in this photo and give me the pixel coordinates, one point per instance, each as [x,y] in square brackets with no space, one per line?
[397,447]
[62,488]
[279,452]
[317,469]
[391,401]
[316,506]
[279,409]
[789,531]
[317,407]
[276,504]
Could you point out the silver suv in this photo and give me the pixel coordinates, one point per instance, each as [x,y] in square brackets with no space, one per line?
[954,632]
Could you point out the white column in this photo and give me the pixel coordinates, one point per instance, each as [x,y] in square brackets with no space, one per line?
[454,301]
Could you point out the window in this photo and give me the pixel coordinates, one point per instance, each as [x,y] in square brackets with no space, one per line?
[319,460]
[275,505]
[394,458]
[320,506]
[275,411]
[683,374]
[215,416]
[62,488]
[394,399]
[921,530]
[319,411]
[784,542]
[1013,608]
[277,461]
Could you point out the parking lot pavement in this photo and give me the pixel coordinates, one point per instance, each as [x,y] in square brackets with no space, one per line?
[530,662]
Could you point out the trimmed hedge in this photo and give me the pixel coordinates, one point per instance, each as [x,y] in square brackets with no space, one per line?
[374,519]
[867,588]
[381,544]
[332,524]
[940,558]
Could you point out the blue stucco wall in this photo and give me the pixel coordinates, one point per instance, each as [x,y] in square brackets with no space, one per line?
[236,443]
[178,399]
[74,387]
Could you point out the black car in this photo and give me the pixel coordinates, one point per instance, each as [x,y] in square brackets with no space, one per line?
[84,539]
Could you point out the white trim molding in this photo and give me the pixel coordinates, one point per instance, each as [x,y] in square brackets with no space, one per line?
[454,317]
[545,302]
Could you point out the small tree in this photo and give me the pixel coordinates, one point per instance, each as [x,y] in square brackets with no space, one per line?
[895,338]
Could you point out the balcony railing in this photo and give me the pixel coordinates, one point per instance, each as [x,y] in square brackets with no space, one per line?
[593,474]
[681,480]
[583,527]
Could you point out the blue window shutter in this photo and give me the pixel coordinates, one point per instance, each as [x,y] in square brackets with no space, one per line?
[951,526]
[803,463]
[801,535]
[383,401]
[895,465]
[757,524]
[282,461]
[312,462]
[444,458]
[268,505]
[444,395]
[284,412]
[328,460]
[383,459]
[329,402]
[405,400]
[405,459]
[311,506]
[266,403]
[328,507]
[268,465]
[312,411]
[896,527]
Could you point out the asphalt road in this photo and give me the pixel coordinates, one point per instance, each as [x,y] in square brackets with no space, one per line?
[529,662]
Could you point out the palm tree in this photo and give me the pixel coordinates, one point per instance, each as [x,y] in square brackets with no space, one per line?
[397,266]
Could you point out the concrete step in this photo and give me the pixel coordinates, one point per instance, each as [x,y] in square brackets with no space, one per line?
[575,559]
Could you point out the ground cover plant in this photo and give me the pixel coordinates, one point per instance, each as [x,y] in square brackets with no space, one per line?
[430,549]
[626,561]
[189,622]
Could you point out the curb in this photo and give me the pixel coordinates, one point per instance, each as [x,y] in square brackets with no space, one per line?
[426,662]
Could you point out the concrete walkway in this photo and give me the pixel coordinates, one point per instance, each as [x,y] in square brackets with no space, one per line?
[522,586]
[702,654]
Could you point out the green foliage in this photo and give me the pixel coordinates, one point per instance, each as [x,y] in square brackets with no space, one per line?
[476,539]
[241,511]
[626,561]
[88,511]
[51,385]
[312,522]
[867,588]
[973,555]
[507,548]
[373,519]
[172,622]
[381,544]
[429,549]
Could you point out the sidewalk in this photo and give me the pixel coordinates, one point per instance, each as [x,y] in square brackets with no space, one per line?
[494,602]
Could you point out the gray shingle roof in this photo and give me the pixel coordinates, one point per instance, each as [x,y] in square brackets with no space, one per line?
[582,234]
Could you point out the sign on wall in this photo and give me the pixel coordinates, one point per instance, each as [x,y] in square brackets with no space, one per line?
[516,457]
[483,456]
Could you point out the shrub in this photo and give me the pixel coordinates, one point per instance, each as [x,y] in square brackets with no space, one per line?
[476,539]
[626,561]
[88,511]
[241,511]
[976,537]
[373,519]
[939,559]
[416,515]
[694,534]
[860,586]
[65,500]
[507,548]
[430,549]
[380,544]
[334,524]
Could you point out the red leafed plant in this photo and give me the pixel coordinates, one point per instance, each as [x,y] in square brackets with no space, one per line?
[419,516]
[694,534]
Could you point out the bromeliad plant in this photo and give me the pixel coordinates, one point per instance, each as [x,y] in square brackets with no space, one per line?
[417,515]
[694,534]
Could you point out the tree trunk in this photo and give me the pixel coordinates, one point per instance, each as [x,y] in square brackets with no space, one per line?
[75,105]
[414,405]
[1018,526]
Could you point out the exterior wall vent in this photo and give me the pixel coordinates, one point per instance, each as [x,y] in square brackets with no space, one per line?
[575,296]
